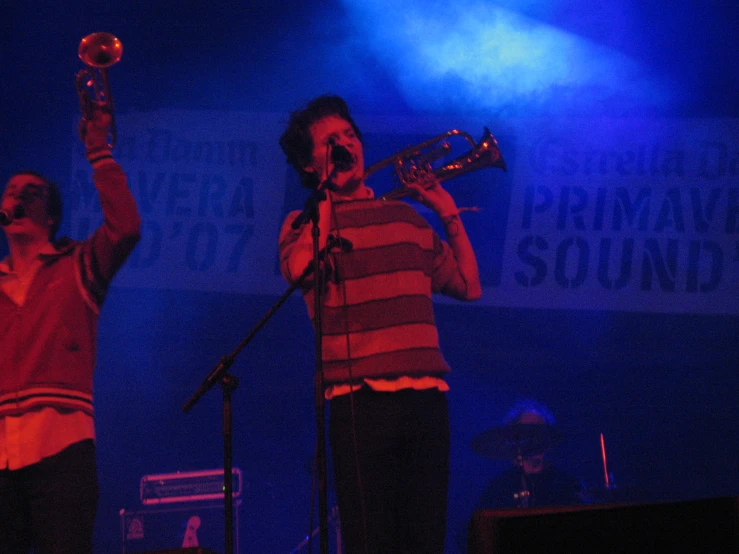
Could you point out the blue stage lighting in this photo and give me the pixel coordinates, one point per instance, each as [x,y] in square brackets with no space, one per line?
[477,55]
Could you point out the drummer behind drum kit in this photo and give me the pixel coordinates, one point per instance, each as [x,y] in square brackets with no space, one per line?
[517,441]
[690,526]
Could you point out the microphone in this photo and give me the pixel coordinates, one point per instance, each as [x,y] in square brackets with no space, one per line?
[342,159]
[6,218]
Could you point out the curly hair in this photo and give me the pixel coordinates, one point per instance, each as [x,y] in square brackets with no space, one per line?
[297,143]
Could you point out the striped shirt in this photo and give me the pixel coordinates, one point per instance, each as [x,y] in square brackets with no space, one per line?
[378,317]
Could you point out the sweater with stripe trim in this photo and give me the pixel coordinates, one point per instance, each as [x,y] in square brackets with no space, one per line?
[378,297]
[49,342]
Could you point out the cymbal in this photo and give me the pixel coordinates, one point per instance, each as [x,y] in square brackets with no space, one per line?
[508,441]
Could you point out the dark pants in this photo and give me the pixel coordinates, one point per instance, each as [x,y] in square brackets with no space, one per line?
[50,505]
[392,486]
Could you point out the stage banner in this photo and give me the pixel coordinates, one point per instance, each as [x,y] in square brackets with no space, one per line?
[622,214]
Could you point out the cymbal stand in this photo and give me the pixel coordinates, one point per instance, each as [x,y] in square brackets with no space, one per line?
[524,494]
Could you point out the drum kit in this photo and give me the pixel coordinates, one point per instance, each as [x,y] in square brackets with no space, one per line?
[517,441]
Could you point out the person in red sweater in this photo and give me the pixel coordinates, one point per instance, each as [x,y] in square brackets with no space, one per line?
[382,365]
[51,292]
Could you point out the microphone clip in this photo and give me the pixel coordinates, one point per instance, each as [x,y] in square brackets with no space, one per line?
[333,241]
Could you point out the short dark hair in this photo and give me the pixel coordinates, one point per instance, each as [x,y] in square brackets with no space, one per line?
[54,205]
[297,143]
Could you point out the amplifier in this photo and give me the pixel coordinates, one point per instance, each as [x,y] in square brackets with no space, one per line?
[192,528]
[187,486]
[194,550]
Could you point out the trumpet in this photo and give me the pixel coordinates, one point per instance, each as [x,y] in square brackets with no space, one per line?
[484,153]
[98,51]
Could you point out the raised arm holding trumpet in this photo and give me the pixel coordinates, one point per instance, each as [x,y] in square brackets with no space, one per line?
[51,292]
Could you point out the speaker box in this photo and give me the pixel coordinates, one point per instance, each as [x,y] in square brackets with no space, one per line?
[189,528]
[707,526]
[191,550]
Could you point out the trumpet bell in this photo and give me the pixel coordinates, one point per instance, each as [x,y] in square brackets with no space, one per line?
[484,154]
[100,50]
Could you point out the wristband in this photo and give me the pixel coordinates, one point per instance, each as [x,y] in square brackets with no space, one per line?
[451,224]
[96,155]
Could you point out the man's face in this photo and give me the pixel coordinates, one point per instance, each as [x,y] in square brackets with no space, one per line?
[534,462]
[336,129]
[32,193]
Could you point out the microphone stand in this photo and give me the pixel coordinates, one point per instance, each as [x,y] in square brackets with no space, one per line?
[310,211]
[320,401]
[229,383]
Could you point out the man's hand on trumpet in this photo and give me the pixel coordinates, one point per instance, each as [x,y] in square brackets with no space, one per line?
[96,134]
[427,190]
[97,129]
[96,126]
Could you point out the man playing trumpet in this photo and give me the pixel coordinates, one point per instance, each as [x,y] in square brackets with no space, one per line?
[51,292]
[382,365]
